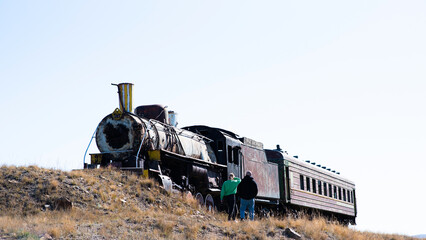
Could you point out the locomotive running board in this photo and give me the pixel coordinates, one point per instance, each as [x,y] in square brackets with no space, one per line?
[157,155]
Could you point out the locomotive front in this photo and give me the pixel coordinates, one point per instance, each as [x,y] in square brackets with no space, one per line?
[120,136]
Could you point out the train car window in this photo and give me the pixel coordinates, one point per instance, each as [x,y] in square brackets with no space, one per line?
[308,184]
[229,154]
[335,192]
[220,146]
[302,183]
[340,193]
[330,193]
[325,189]
[236,153]
[319,187]
[314,186]
[352,197]
[344,195]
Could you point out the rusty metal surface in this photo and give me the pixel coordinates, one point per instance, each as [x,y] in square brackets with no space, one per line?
[264,173]
[156,112]
[118,136]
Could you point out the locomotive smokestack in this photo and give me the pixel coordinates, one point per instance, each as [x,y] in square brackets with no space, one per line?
[125,96]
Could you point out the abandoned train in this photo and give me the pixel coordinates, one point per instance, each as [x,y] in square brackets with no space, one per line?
[198,159]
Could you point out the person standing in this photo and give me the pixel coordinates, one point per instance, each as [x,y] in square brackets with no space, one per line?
[247,191]
[227,195]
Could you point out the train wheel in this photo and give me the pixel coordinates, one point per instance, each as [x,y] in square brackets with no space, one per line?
[199,198]
[209,203]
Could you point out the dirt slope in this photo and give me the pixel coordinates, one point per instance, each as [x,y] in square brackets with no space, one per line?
[110,204]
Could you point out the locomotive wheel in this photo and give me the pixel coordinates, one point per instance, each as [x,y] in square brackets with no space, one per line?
[209,203]
[199,198]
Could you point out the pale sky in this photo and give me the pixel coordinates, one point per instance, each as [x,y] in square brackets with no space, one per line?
[341,83]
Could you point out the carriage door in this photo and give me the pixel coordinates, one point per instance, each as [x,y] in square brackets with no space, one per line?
[234,160]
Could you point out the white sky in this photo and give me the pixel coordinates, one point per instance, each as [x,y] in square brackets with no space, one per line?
[341,83]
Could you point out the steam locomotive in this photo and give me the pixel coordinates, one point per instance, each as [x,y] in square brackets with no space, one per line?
[198,159]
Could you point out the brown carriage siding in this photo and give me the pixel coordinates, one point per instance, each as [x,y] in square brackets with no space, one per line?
[264,173]
[317,202]
[311,199]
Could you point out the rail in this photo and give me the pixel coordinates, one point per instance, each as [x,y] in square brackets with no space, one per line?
[122,151]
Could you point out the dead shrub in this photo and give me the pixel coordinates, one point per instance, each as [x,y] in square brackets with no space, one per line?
[54,184]
[55,232]
[9,224]
[27,180]
[146,183]
[191,231]
[166,227]
[279,223]
[251,227]
[179,211]
[76,174]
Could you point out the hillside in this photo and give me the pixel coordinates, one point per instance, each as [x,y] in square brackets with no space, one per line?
[110,204]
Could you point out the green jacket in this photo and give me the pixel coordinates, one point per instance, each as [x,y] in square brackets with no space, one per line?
[229,187]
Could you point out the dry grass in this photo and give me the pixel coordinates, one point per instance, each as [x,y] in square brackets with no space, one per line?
[56,224]
[191,231]
[113,204]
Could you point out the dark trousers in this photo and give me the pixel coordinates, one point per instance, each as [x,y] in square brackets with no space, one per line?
[231,206]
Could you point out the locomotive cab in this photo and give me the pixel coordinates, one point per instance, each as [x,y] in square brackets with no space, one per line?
[156,112]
